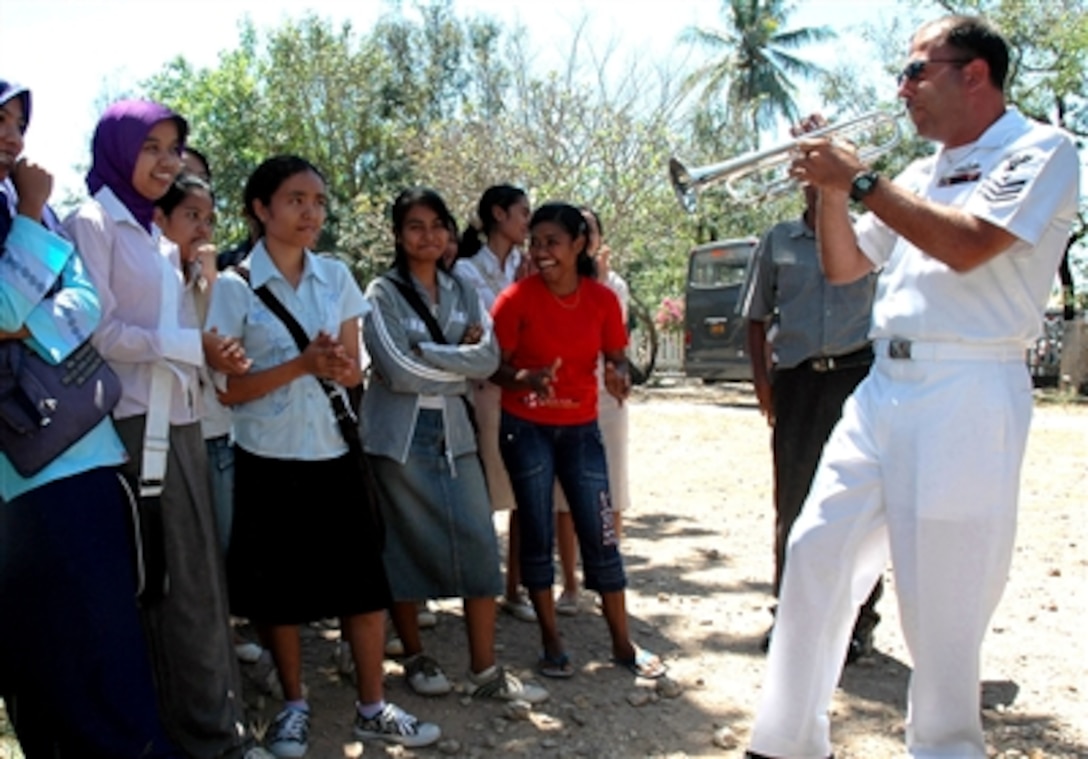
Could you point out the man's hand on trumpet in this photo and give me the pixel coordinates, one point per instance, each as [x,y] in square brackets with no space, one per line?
[822,162]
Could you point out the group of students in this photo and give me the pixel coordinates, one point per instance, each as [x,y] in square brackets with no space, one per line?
[484,388]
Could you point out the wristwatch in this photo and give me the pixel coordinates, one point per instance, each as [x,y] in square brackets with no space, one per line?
[863,184]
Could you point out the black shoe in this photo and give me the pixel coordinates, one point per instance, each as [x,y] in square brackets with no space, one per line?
[754,755]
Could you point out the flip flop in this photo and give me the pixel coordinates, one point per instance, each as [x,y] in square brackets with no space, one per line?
[644,664]
[556,666]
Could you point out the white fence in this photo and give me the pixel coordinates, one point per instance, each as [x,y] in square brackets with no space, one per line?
[670,350]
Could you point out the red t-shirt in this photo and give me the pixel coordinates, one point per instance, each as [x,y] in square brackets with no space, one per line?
[536,327]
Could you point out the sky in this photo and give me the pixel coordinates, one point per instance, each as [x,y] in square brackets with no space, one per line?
[68,52]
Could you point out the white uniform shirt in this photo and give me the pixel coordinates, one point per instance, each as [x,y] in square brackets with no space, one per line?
[605,401]
[484,273]
[1019,175]
[294,421]
[130,269]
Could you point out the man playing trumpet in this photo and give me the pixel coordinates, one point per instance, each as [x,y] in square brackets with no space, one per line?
[924,466]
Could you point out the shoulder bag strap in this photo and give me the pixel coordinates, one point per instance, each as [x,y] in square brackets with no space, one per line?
[420,308]
[346,418]
[425,314]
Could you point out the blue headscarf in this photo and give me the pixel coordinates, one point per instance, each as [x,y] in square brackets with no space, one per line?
[118,138]
[9,90]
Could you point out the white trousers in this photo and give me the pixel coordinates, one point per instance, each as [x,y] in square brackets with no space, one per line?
[924,469]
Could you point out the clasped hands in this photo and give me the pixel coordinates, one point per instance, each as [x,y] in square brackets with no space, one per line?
[325,358]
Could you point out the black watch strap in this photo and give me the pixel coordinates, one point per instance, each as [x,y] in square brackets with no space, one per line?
[864,183]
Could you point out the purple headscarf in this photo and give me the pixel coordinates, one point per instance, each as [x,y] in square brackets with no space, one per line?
[118,138]
[9,90]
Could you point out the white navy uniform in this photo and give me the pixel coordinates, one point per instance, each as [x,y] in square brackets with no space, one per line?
[924,466]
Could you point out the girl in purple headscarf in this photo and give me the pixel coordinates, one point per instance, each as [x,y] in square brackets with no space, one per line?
[73,661]
[150,335]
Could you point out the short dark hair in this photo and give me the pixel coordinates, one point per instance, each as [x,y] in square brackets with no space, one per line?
[571,219]
[189,150]
[978,37]
[182,187]
[406,201]
[267,178]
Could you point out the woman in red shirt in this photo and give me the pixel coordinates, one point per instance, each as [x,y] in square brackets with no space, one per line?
[552,329]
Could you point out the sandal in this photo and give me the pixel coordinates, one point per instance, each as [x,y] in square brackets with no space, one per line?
[556,666]
[643,664]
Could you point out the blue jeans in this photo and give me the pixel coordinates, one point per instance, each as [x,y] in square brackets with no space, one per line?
[535,456]
[221,480]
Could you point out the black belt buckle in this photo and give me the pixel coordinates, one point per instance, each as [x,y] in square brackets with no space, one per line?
[898,348]
[822,364]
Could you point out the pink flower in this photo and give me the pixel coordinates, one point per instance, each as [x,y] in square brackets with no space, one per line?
[670,315]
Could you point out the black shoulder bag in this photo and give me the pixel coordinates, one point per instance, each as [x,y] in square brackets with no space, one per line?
[346,419]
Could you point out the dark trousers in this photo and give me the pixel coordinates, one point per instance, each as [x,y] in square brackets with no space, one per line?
[74,666]
[188,632]
[807,405]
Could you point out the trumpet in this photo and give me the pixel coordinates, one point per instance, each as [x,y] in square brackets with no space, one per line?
[763,174]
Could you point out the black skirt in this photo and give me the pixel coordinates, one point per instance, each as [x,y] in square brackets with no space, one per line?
[304,545]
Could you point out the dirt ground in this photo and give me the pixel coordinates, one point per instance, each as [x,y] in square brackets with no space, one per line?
[697,547]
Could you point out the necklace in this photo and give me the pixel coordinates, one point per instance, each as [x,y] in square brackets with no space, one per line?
[572,304]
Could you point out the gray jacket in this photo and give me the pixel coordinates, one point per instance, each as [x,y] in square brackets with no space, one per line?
[406,365]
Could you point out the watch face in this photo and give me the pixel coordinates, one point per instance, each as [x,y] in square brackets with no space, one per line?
[862,185]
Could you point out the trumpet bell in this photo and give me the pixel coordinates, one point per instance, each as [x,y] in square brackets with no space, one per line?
[682,184]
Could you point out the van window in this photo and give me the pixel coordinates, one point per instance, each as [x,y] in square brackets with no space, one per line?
[717,268]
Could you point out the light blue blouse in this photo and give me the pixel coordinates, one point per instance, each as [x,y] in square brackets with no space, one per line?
[293,421]
[33,259]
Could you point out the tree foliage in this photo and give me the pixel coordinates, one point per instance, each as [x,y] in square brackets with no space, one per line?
[457,103]
[755,63]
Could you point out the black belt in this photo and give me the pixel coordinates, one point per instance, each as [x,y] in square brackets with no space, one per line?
[860,357]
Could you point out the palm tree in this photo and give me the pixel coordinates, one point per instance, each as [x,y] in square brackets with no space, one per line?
[753,63]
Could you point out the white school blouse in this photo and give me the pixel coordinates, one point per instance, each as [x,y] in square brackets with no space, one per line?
[130,267]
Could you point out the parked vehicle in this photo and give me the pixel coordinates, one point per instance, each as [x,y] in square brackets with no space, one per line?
[1045,357]
[714,333]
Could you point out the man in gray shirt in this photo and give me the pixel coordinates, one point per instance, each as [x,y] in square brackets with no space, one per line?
[816,337]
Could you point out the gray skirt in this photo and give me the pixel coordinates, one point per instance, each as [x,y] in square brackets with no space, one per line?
[439,538]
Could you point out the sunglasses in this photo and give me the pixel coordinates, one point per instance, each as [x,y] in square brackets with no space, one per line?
[914,70]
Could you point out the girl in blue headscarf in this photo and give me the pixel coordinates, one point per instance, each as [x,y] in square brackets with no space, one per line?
[150,335]
[73,662]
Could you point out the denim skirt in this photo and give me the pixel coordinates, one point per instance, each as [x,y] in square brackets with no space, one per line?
[439,538]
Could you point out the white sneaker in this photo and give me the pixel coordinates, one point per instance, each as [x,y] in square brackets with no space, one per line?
[520,608]
[425,617]
[495,682]
[289,735]
[426,677]
[258,752]
[394,725]
[394,647]
[249,653]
